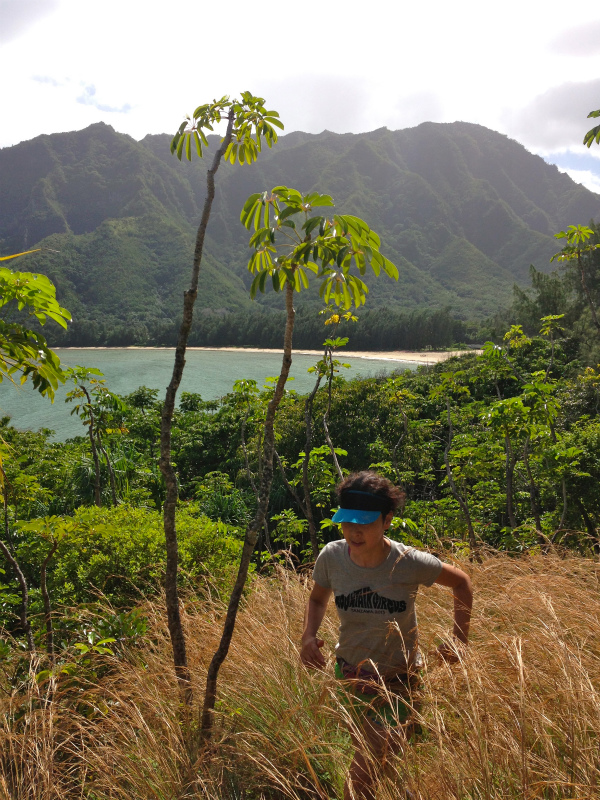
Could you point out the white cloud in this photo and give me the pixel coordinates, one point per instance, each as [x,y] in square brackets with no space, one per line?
[582,40]
[46,79]
[415,108]
[88,98]
[557,118]
[17,16]
[586,177]
[350,67]
[314,103]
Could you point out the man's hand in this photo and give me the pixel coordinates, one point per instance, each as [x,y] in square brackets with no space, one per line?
[310,654]
[451,651]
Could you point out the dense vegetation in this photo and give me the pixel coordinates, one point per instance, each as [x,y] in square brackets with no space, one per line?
[522,710]
[101,712]
[499,456]
[507,441]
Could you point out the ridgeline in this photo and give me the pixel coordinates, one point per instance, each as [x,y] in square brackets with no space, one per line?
[462,210]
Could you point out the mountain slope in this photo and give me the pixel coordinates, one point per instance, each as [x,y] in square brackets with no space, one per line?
[461,210]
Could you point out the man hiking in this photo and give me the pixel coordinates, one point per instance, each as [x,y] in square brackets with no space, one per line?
[374,581]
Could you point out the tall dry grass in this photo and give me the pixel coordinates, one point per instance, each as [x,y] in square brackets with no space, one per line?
[519,717]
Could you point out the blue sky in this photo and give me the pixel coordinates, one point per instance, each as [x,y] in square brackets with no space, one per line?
[141,65]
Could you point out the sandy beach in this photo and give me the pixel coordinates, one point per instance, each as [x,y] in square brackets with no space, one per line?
[423,357]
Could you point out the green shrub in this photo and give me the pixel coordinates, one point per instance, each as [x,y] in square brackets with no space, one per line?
[119,553]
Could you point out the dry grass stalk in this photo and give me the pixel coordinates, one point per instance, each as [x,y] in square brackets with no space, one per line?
[519,717]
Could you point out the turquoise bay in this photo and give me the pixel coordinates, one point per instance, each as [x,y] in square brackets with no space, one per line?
[210,373]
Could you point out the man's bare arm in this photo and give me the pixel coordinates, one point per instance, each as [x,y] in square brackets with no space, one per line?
[310,654]
[460,583]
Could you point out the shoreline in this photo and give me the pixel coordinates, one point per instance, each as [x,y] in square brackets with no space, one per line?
[409,356]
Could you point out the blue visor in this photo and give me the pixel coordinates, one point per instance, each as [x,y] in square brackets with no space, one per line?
[361,507]
[356,515]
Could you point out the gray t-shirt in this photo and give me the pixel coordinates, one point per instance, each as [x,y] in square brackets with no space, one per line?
[376,605]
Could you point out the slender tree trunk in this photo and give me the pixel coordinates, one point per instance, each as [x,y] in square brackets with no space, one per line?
[91,431]
[591,528]
[47,606]
[252,483]
[21,579]
[166,467]
[287,484]
[24,596]
[7,535]
[256,524]
[111,472]
[312,528]
[302,506]
[587,292]
[511,462]
[396,447]
[534,494]
[296,497]
[563,484]
[509,468]
[464,506]
[563,516]
[267,534]
[326,417]
[563,488]
[249,474]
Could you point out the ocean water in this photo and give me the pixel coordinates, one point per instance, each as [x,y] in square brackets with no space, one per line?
[211,373]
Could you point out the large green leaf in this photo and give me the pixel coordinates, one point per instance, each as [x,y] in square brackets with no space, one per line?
[289,196]
[289,211]
[26,352]
[591,136]
[311,224]
[251,211]
[34,292]
[272,120]
[338,244]
[316,200]
[180,144]
[249,117]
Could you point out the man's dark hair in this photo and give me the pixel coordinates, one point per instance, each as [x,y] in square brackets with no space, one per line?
[372,483]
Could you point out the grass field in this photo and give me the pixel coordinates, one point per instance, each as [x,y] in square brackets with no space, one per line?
[519,717]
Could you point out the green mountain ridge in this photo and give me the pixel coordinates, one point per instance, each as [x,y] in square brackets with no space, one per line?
[462,210]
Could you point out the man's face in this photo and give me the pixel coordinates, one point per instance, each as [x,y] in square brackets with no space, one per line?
[366,539]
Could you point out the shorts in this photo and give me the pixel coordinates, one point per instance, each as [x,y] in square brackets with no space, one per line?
[390,704]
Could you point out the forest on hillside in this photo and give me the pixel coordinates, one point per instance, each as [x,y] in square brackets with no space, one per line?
[506,442]
[463,212]
[170,539]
